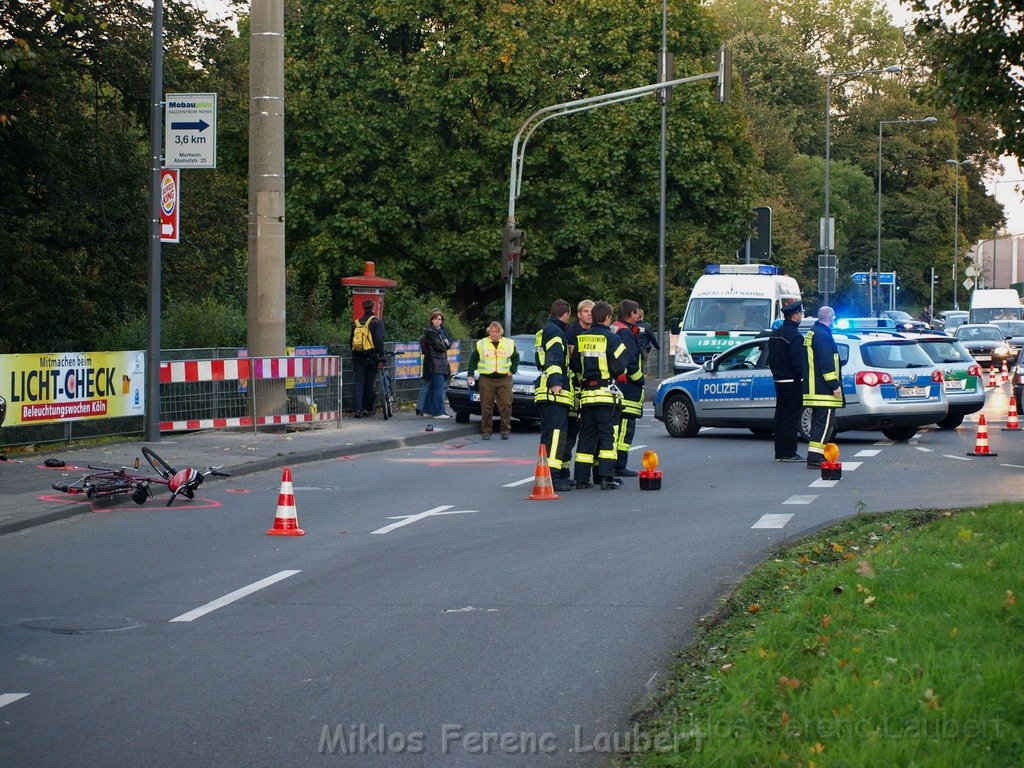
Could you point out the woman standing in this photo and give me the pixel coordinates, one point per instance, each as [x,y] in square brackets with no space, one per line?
[435,359]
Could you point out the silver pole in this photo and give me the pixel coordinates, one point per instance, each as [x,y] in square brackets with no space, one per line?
[151,433]
[828,164]
[661,193]
[878,259]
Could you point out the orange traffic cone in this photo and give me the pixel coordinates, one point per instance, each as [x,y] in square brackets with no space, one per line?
[1011,418]
[543,489]
[992,375]
[1006,373]
[286,522]
[981,443]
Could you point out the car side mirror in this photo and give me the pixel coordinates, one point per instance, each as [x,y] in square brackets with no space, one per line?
[709,365]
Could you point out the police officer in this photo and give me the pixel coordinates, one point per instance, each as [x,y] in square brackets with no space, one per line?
[786,358]
[554,394]
[823,385]
[630,383]
[494,361]
[599,358]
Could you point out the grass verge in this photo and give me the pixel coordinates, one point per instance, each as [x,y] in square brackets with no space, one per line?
[883,640]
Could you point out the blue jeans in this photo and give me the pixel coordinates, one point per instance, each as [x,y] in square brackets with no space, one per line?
[421,401]
[435,396]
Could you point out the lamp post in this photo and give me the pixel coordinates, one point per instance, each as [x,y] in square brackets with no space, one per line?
[826,239]
[877,290]
[956,221]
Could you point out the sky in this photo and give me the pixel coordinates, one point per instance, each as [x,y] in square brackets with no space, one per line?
[1005,192]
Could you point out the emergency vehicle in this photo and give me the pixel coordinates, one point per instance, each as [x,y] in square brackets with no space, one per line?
[730,303]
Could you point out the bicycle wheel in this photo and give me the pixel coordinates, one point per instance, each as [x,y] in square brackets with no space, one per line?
[160,466]
[106,486]
[387,397]
[70,486]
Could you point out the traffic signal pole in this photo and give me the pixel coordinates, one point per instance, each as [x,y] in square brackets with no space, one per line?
[557,110]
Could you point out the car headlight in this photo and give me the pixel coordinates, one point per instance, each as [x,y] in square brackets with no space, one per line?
[458,384]
[682,357]
[524,389]
[1001,350]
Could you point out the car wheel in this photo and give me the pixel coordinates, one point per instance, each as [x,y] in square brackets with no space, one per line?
[803,430]
[952,421]
[680,420]
[761,430]
[899,434]
[462,417]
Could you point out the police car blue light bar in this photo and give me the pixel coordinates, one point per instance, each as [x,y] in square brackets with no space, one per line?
[742,269]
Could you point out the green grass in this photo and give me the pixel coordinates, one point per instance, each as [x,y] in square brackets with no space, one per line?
[891,640]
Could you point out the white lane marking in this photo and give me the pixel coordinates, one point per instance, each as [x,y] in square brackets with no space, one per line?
[799,499]
[10,698]
[849,466]
[773,521]
[636,448]
[958,458]
[406,519]
[868,452]
[524,481]
[1014,466]
[923,449]
[883,442]
[231,597]
[819,483]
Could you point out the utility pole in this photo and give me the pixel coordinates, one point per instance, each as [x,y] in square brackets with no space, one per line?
[266,305]
[151,431]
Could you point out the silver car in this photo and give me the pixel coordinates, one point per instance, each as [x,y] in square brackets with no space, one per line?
[962,377]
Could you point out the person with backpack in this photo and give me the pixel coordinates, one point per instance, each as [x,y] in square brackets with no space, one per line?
[367,352]
[437,345]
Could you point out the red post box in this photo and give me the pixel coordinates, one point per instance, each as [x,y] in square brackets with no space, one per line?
[368,286]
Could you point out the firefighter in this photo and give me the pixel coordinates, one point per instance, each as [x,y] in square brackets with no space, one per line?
[554,394]
[582,323]
[599,359]
[823,385]
[630,383]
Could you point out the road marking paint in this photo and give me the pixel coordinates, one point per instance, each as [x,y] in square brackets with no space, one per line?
[10,698]
[773,521]
[1014,466]
[406,519]
[529,479]
[883,442]
[923,449]
[849,466]
[799,499]
[231,597]
[868,452]
[819,483]
[958,458]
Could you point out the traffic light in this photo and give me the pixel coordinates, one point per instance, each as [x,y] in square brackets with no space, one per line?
[512,252]
[935,279]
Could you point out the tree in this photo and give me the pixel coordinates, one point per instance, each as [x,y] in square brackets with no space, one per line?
[976,49]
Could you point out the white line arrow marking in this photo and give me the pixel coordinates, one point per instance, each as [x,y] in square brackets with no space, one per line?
[406,519]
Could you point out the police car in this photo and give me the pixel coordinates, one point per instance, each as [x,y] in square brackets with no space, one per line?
[889,384]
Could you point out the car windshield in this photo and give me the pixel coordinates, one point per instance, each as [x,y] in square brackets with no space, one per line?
[896,314]
[719,314]
[979,333]
[1011,329]
[527,350]
[891,354]
[988,314]
[945,350]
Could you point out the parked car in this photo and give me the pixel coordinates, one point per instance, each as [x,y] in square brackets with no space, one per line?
[962,378]
[889,383]
[950,319]
[1018,379]
[465,402]
[905,321]
[985,342]
[1013,332]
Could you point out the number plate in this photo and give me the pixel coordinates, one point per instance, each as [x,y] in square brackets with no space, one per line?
[913,391]
[474,397]
[955,385]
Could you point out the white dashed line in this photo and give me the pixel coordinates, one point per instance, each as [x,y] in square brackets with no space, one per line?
[10,698]
[868,452]
[958,458]
[529,479]
[923,449]
[773,521]
[1013,466]
[799,499]
[849,466]
[883,442]
[231,597]
[819,483]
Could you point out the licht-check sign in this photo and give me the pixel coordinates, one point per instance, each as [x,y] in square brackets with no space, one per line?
[190,130]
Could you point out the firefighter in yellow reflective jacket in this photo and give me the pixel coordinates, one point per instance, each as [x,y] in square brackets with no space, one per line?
[554,394]
[631,383]
[599,358]
[494,361]
[823,384]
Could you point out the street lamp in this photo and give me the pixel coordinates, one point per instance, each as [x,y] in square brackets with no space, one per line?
[826,239]
[956,220]
[877,290]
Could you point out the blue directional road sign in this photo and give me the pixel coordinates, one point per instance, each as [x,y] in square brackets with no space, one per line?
[860,278]
[886,278]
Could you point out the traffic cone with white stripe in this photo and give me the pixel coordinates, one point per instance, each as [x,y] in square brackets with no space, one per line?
[543,489]
[981,442]
[286,522]
[1006,373]
[992,375]
[1011,418]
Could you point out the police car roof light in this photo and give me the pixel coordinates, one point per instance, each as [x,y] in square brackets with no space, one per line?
[742,269]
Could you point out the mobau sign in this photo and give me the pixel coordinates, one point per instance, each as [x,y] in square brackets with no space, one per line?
[190,130]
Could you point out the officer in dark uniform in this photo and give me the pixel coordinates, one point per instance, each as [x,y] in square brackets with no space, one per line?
[554,395]
[787,360]
[599,359]
[630,383]
[823,385]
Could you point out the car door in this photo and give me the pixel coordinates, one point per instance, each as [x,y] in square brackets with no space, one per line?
[726,391]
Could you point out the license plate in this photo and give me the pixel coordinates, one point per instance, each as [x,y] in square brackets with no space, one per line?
[474,397]
[982,358]
[913,391]
[955,384]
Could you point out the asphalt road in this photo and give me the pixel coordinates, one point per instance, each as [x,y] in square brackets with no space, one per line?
[432,616]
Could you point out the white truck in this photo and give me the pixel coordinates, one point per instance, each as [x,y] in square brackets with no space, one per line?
[728,304]
[988,304]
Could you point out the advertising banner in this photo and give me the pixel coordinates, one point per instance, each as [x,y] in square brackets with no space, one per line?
[70,386]
[170,205]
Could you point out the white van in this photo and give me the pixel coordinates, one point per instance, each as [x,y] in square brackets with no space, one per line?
[728,304]
[988,304]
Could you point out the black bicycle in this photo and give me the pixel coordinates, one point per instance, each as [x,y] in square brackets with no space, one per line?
[387,389]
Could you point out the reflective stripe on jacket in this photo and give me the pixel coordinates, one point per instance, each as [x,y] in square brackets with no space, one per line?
[824,372]
[495,359]
[553,362]
[631,383]
[600,358]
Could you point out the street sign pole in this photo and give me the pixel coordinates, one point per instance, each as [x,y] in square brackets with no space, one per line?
[151,430]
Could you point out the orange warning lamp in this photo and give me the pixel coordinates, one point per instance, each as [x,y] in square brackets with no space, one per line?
[831,452]
[831,469]
[650,475]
